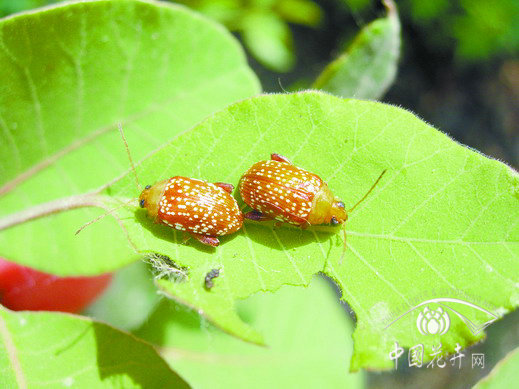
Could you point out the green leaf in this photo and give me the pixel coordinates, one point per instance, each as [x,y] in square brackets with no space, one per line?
[269,39]
[425,10]
[128,300]
[305,329]
[356,5]
[504,375]
[369,65]
[441,223]
[496,28]
[70,73]
[443,220]
[77,352]
[304,12]
[227,12]
[11,6]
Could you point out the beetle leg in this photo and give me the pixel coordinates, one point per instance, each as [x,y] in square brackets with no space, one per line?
[257,216]
[207,240]
[226,187]
[303,223]
[279,158]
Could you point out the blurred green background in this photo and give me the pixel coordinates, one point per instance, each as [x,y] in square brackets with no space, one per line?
[458,70]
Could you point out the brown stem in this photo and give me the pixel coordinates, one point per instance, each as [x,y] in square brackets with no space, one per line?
[76,144]
[50,208]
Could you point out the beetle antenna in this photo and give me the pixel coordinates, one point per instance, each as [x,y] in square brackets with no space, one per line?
[120,127]
[111,211]
[368,192]
[345,247]
[103,215]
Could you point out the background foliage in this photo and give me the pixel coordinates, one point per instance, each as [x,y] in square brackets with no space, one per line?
[454,84]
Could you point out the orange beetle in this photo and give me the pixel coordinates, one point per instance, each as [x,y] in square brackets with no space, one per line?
[202,209]
[279,190]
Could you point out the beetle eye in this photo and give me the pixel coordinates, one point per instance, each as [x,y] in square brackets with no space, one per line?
[141,203]
[340,204]
[334,221]
[147,187]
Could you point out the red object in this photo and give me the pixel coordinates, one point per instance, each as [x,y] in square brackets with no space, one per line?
[23,288]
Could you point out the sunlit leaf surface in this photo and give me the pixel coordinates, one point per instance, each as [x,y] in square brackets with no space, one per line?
[441,223]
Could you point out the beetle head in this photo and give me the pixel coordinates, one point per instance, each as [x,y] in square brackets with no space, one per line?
[338,213]
[150,197]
